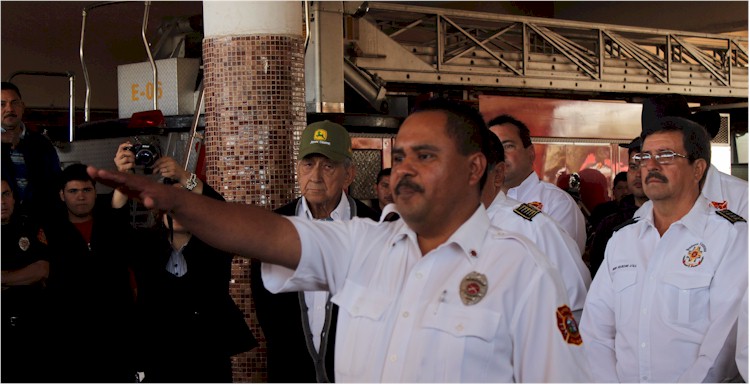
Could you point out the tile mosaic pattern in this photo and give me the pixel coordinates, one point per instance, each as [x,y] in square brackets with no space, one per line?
[255,113]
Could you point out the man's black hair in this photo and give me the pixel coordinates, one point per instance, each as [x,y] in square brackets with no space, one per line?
[382,173]
[77,172]
[496,153]
[695,138]
[464,124]
[523,131]
[621,176]
[12,87]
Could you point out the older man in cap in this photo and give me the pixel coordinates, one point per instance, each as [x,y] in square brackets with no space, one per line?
[297,325]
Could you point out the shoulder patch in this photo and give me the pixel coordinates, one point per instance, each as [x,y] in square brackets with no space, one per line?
[730,216]
[568,326]
[626,223]
[526,211]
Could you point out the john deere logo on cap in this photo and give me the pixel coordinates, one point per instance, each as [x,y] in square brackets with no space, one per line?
[320,134]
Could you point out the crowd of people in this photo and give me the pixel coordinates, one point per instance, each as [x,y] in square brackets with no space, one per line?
[467,268]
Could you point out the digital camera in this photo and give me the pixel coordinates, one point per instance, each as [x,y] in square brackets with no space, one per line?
[145,154]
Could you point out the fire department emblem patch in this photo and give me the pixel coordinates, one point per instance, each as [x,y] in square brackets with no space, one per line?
[694,256]
[568,326]
[473,288]
[538,205]
[719,205]
[24,243]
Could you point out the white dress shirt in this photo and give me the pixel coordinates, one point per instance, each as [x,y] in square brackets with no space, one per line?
[556,203]
[402,318]
[552,241]
[316,300]
[726,191]
[742,338]
[663,309]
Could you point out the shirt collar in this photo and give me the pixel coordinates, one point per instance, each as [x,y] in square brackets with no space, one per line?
[527,184]
[469,237]
[712,186]
[694,220]
[342,212]
[389,208]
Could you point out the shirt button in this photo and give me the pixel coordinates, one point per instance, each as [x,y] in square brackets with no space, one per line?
[644,310]
[643,344]
[318,308]
[393,358]
[459,327]
[419,275]
[406,314]
[356,309]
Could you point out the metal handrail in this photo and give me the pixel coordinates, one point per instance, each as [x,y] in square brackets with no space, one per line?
[150,56]
[71,100]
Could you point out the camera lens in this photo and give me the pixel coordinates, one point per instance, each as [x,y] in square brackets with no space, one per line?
[145,157]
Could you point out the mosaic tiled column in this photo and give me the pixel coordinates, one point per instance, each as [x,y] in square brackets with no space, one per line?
[253,55]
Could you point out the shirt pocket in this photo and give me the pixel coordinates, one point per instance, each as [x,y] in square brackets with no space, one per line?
[686,297]
[623,283]
[362,322]
[459,340]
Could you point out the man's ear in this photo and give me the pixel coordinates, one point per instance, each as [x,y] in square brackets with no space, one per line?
[351,173]
[62,196]
[477,165]
[499,178]
[699,166]
[532,153]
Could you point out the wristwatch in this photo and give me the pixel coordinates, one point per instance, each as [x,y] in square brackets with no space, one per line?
[192,181]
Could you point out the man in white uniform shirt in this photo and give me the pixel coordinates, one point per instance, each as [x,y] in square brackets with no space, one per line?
[723,191]
[512,215]
[664,305]
[437,296]
[523,184]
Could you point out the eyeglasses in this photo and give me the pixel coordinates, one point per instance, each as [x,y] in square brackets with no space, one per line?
[662,157]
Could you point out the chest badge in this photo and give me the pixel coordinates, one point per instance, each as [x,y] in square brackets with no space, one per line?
[538,205]
[719,205]
[694,256]
[473,288]
[24,243]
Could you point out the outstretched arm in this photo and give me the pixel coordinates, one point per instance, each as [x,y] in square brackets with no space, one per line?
[242,229]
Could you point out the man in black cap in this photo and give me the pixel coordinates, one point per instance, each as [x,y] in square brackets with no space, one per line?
[302,351]
[625,209]
[722,190]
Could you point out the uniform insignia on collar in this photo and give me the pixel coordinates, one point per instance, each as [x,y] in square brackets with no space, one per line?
[473,288]
[719,205]
[730,216]
[24,243]
[694,256]
[527,211]
[568,326]
[538,205]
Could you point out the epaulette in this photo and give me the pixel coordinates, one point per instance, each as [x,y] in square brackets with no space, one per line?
[626,223]
[730,216]
[527,211]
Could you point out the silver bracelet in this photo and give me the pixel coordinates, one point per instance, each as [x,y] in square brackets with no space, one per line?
[192,181]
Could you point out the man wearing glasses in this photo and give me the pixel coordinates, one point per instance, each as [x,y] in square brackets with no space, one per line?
[664,305]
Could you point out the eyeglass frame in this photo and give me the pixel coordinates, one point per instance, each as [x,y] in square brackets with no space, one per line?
[663,157]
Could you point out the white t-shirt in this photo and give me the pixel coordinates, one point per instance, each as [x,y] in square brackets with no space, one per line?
[402,317]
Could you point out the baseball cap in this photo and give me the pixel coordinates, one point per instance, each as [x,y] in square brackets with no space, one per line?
[326,138]
[634,144]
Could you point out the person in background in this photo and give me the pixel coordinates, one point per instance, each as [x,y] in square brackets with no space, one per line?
[29,161]
[91,299]
[188,326]
[439,295]
[300,327]
[25,268]
[524,185]
[511,215]
[665,303]
[722,190]
[604,209]
[383,190]
[625,210]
